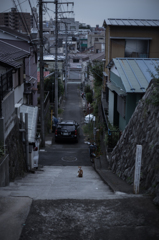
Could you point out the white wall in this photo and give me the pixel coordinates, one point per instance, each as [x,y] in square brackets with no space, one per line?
[74,75]
[18,94]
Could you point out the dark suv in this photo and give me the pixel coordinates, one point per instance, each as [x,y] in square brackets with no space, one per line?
[68,129]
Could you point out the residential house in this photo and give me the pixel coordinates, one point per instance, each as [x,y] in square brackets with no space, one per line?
[26,43]
[72,25]
[49,65]
[137,38]
[82,43]
[127,38]
[77,67]
[96,41]
[18,86]
[12,70]
[129,79]
[75,72]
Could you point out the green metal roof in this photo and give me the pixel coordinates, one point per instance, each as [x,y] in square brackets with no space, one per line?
[116,89]
[135,74]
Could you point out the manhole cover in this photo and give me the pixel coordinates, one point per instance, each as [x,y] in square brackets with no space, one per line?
[69,159]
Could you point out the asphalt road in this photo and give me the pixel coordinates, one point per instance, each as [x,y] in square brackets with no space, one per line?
[67,153]
[115,219]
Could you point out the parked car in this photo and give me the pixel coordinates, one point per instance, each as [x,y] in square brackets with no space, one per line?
[68,129]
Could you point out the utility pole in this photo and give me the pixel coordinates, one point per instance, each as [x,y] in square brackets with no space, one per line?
[56,68]
[66,63]
[41,63]
[41,76]
[56,53]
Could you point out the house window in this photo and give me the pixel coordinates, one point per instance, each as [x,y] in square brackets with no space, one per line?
[76,60]
[72,28]
[96,39]
[137,48]
[121,105]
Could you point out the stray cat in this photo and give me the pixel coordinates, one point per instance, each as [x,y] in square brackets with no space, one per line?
[80,172]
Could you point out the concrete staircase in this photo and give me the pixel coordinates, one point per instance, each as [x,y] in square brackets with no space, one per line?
[59,182]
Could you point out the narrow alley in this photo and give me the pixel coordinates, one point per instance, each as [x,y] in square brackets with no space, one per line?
[54,203]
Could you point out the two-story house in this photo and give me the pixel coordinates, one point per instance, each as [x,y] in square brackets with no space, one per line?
[18,84]
[137,38]
[126,40]
[12,70]
[26,43]
[96,41]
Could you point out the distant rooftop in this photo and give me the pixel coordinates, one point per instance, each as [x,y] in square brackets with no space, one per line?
[52,58]
[97,56]
[15,33]
[131,22]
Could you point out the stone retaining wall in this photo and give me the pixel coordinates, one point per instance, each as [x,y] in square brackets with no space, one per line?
[142,129]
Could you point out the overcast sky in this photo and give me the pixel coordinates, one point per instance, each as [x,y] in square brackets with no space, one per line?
[94,12]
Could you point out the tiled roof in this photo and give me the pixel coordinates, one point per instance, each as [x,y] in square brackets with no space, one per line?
[10,54]
[135,73]
[15,33]
[132,22]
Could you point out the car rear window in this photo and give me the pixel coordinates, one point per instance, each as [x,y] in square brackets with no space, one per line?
[68,127]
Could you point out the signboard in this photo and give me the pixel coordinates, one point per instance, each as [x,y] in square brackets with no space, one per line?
[137,168]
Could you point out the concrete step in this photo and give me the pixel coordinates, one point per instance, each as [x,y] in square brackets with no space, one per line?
[60,182]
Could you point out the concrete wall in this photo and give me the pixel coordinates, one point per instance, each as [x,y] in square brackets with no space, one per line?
[4,171]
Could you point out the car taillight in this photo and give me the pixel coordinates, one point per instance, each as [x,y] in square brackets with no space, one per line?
[75,132]
[35,149]
[56,132]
